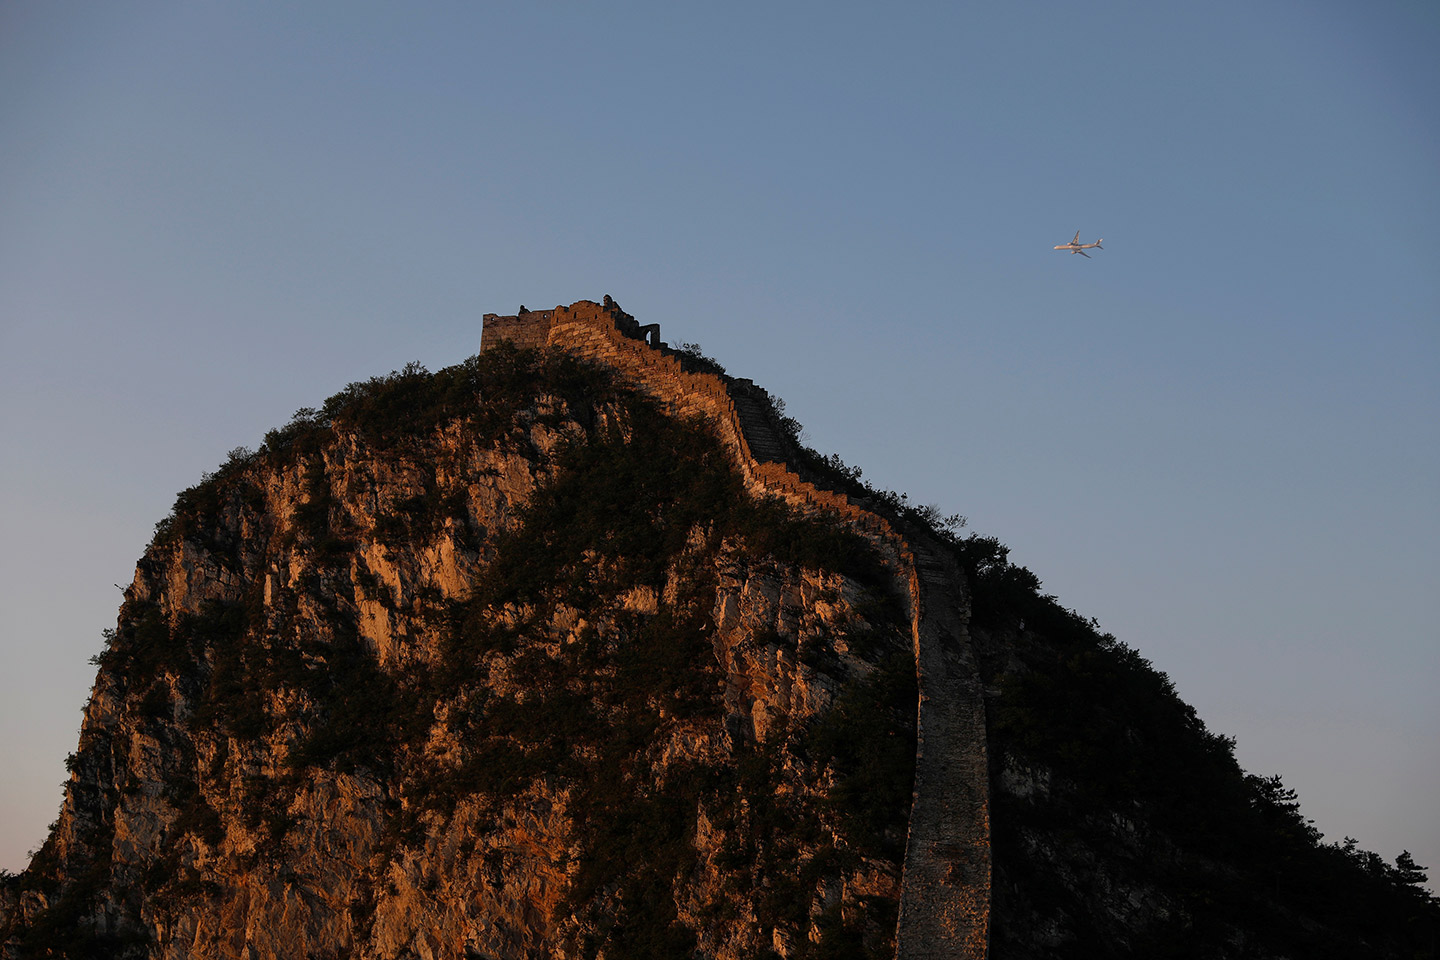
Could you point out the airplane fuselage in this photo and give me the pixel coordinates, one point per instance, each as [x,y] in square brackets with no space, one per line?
[1075,246]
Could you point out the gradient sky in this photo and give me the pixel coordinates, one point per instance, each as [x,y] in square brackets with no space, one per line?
[1220,437]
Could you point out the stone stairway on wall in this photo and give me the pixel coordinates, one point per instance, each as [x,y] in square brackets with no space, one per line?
[945,890]
[945,894]
[762,435]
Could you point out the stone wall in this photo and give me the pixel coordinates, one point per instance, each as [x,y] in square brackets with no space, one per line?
[945,893]
[945,897]
[527,330]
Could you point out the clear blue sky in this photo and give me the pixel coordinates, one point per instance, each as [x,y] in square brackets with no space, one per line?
[1220,437]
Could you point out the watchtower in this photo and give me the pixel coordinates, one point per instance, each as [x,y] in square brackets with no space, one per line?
[531,328]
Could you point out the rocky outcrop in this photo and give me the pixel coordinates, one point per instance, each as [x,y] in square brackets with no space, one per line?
[503,662]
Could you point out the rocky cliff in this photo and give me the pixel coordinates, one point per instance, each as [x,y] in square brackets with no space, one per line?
[572,650]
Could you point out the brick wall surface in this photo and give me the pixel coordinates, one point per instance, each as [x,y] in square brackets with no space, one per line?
[945,892]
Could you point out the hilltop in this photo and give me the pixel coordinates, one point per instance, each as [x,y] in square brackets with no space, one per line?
[573,649]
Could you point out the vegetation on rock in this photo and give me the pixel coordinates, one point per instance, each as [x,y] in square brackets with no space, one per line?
[573,669]
[1124,827]
[503,660]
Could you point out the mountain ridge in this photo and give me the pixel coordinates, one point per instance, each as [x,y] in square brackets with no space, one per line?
[573,650]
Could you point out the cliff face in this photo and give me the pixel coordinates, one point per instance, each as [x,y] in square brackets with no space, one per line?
[503,662]
[576,653]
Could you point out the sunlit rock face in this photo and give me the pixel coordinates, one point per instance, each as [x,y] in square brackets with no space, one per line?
[576,653]
[499,662]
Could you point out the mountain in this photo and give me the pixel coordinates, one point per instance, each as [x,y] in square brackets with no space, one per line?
[573,650]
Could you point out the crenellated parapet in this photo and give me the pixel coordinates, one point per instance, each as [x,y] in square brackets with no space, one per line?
[945,895]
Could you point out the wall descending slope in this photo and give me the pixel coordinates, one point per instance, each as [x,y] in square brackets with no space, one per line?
[509,661]
[945,897]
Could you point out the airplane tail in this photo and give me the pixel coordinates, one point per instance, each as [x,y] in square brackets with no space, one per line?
[1098,242]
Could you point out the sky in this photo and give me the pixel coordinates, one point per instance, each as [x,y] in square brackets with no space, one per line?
[1219,436]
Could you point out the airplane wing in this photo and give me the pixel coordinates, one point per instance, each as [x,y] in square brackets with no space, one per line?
[1083,254]
[1077,237]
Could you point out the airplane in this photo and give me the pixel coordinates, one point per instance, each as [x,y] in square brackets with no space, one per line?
[1075,246]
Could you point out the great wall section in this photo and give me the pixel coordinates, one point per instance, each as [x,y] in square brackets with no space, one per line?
[945,892]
